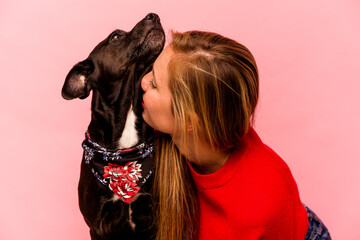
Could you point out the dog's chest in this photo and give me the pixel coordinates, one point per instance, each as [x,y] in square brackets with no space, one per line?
[129,136]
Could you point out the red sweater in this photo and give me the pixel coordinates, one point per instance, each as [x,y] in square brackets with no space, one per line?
[252,196]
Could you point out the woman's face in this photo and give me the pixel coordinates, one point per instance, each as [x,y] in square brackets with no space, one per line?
[157,97]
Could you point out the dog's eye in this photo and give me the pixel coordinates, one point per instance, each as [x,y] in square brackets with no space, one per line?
[115,37]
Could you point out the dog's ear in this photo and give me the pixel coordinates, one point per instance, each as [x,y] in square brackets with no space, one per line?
[77,81]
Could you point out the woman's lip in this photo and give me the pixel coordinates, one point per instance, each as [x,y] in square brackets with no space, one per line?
[143,104]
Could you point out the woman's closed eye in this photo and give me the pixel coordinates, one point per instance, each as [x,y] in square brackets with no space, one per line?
[152,84]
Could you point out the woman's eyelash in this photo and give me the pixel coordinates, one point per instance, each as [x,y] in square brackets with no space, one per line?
[152,84]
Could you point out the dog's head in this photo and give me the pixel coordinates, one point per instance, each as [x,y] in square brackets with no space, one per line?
[115,57]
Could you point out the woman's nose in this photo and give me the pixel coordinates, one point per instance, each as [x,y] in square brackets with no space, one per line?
[144,83]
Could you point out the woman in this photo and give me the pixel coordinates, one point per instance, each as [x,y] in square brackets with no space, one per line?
[215,178]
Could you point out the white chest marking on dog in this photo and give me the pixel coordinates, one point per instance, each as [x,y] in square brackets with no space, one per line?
[129,136]
[115,198]
[132,224]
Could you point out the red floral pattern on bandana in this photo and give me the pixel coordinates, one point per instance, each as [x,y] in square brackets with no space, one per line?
[123,179]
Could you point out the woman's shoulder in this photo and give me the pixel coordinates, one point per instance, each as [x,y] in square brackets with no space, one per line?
[252,164]
[266,181]
[258,166]
[253,153]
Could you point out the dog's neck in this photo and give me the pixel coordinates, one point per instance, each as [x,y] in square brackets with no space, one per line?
[116,120]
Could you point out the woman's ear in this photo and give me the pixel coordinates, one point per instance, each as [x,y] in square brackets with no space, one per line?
[193,121]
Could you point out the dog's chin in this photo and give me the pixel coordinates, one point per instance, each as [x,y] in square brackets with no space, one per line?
[155,36]
[152,45]
[85,96]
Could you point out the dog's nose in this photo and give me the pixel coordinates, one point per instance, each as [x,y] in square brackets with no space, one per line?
[152,16]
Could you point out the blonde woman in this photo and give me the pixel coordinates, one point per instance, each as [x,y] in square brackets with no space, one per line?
[215,178]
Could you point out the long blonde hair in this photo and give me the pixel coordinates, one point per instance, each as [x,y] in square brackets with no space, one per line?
[214,85]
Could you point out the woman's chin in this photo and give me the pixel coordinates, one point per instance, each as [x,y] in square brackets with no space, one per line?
[144,116]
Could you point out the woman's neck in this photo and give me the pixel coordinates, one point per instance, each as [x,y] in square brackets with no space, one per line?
[201,154]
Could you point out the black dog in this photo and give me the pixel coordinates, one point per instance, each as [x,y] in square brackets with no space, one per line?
[116,170]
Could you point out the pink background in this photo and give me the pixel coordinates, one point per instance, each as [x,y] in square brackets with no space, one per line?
[308,56]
